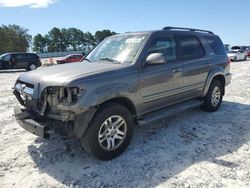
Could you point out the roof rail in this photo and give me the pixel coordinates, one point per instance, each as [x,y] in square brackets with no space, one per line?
[189,29]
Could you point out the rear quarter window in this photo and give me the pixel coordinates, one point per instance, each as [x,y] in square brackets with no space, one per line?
[190,47]
[33,56]
[216,45]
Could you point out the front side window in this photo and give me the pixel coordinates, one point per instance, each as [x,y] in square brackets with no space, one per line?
[190,47]
[6,58]
[164,45]
[120,48]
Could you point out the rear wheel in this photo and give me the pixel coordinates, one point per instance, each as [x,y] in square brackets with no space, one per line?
[235,59]
[245,58]
[32,66]
[110,132]
[213,99]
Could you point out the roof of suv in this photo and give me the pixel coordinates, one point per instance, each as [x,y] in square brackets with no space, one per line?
[11,53]
[172,29]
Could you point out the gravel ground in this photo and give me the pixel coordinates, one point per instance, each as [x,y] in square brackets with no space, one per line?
[192,149]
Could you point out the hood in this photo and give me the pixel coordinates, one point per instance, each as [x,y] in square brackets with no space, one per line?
[60,74]
[231,55]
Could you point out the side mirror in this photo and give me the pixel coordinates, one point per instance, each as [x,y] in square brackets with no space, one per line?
[155,58]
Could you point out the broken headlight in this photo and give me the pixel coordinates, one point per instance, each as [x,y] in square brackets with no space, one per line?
[63,95]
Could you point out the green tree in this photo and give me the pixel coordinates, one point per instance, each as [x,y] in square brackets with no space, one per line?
[55,40]
[58,40]
[14,38]
[100,35]
[39,43]
[75,38]
[89,42]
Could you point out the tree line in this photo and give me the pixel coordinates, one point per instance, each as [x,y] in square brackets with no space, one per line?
[71,39]
[14,38]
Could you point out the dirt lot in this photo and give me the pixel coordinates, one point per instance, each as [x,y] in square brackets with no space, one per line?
[192,149]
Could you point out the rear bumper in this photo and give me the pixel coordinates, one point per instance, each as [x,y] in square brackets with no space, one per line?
[26,121]
[228,78]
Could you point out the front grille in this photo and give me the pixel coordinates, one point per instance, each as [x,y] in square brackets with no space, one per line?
[24,93]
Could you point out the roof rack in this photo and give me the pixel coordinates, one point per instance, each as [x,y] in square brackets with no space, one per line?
[189,29]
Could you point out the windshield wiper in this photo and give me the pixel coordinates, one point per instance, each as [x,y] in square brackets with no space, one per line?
[86,59]
[111,60]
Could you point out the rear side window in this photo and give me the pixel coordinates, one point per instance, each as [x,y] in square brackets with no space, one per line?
[190,47]
[32,56]
[78,56]
[21,56]
[216,45]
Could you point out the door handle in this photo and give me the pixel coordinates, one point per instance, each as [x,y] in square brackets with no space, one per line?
[176,70]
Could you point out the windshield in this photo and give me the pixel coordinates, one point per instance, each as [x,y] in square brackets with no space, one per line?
[1,56]
[232,52]
[235,48]
[118,49]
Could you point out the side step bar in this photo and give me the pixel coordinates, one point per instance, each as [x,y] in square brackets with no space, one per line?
[166,112]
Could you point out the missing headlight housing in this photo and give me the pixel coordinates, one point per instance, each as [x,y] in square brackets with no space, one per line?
[63,95]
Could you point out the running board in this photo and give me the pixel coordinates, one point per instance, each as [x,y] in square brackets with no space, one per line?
[166,112]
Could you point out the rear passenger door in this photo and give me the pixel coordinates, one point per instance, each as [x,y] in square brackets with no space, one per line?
[21,60]
[195,66]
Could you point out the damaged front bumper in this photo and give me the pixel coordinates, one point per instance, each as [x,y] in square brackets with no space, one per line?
[49,114]
[41,126]
[26,120]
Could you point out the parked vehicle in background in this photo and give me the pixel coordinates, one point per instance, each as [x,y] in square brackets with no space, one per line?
[70,58]
[18,60]
[128,79]
[227,47]
[237,55]
[248,51]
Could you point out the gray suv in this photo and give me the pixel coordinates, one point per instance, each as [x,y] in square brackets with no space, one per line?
[128,79]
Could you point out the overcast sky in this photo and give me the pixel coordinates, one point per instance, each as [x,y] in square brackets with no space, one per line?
[227,18]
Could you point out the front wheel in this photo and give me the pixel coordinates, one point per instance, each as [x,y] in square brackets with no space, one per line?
[213,99]
[110,132]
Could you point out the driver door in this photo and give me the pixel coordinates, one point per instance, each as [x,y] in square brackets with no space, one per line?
[6,61]
[160,84]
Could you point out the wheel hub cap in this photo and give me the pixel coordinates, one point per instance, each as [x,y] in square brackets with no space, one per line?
[112,133]
[216,96]
[32,67]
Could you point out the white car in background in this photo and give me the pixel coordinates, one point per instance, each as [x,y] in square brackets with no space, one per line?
[237,55]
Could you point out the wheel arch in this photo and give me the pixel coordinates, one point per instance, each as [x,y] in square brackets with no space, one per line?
[216,74]
[124,101]
[80,128]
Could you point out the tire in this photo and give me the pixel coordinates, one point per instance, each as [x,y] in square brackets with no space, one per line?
[32,66]
[213,99]
[245,58]
[235,59]
[98,135]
